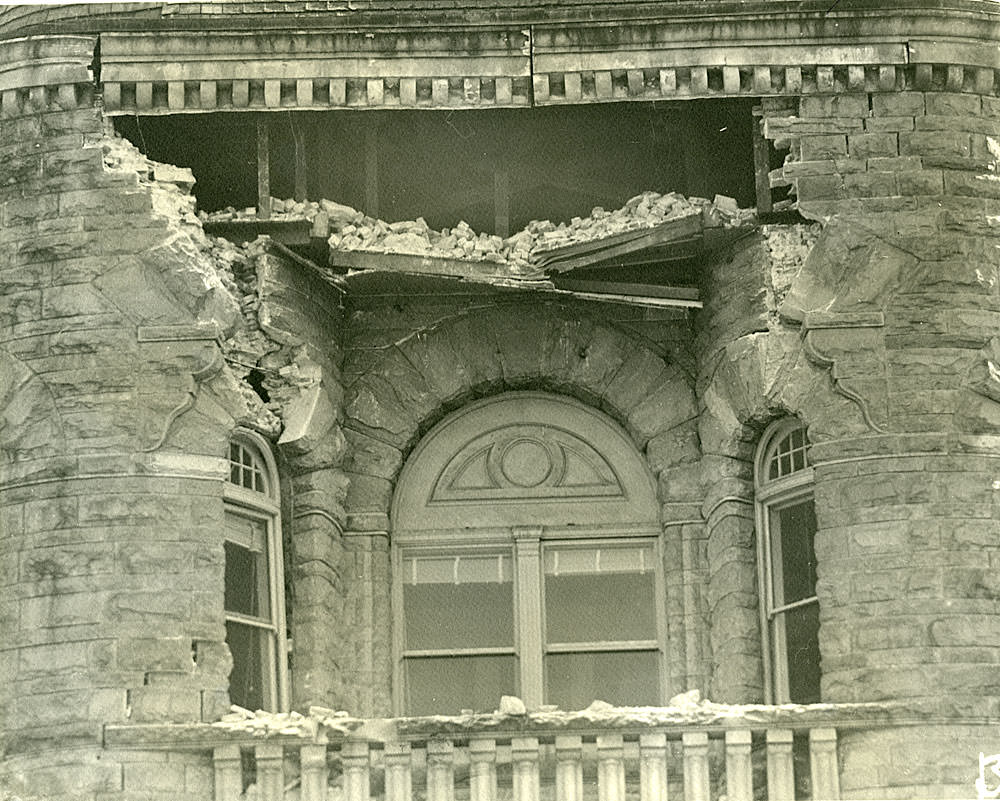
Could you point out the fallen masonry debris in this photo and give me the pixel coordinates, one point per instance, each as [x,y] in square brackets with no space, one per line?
[682,710]
[537,246]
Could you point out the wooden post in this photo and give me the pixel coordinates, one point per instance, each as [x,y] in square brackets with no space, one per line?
[263,169]
[692,139]
[761,166]
[501,202]
[301,162]
[527,546]
[371,171]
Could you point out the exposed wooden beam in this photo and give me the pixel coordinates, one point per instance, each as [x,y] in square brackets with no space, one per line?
[263,168]
[501,202]
[371,171]
[692,141]
[761,166]
[301,162]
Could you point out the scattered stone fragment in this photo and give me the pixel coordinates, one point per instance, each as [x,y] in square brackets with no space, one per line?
[511,705]
[351,229]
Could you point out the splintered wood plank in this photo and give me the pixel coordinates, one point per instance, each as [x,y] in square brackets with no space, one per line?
[621,288]
[583,254]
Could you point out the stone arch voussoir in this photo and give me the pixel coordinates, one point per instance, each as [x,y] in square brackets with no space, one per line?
[421,378]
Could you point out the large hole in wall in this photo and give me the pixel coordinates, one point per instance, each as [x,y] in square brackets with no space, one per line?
[443,165]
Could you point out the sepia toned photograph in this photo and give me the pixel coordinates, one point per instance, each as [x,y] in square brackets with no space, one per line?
[491,400]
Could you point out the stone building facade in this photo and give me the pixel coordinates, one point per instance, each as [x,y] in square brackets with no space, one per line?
[142,358]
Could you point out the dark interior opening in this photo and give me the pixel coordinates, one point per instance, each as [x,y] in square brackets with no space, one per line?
[447,166]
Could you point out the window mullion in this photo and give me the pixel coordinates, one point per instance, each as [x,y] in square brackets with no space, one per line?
[527,555]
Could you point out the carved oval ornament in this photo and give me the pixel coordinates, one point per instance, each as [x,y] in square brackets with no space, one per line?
[524,459]
[525,462]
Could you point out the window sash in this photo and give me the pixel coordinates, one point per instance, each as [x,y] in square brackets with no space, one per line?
[268,649]
[528,566]
[274,668]
[795,490]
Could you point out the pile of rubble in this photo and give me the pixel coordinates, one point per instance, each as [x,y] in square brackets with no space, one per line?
[350,229]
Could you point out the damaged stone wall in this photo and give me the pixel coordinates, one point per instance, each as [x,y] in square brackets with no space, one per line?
[898,306]
[124,336]
[411,360]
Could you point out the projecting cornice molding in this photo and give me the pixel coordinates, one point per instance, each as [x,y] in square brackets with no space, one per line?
[169,73]
[698,51]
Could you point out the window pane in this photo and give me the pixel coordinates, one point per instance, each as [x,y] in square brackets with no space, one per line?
[246,585]
[628,678]
[796,525]
[447,685]
[458,601]
[599,594]
[802,645]
[250,681]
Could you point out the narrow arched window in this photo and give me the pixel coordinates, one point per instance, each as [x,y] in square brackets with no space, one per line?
[786,524]
[254,586]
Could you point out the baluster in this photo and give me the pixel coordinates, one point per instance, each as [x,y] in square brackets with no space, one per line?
[569,768]
[440,770]
[228,773]
[524,756]
[739,771]
[823,763]
[653,767]
[780,768]
[696,779]
[270,771]
[314,773]
[610,768]
[398,773]
[482,770]
[354,757]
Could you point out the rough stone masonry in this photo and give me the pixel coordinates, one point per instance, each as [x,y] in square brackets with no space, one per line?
[132,346]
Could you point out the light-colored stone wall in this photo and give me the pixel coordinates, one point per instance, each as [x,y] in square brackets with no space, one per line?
[117,406]
[410,361]
[877,327]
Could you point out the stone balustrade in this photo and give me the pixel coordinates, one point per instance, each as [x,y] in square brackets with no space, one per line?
[772,753]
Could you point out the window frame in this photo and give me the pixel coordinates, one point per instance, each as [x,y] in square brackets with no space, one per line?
[263,506]
[770,496]
[526,547]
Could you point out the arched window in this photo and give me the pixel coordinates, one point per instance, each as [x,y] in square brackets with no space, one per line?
[786,524]
[254,585]
[527,561]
